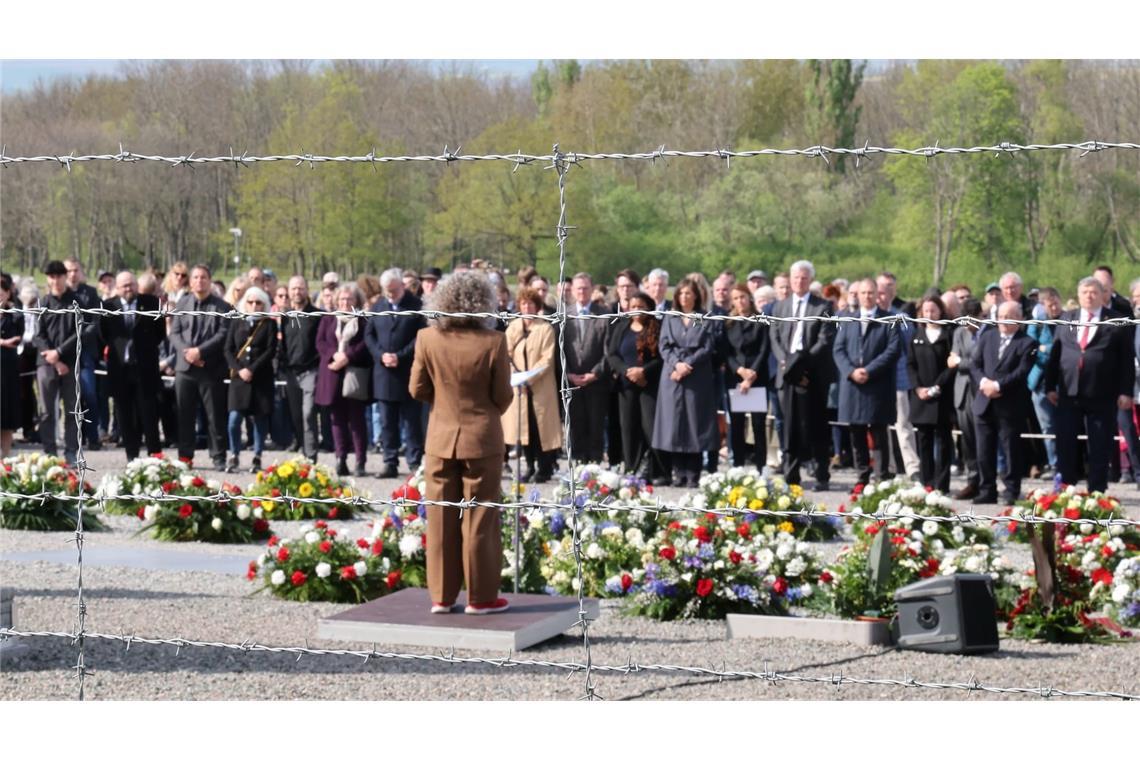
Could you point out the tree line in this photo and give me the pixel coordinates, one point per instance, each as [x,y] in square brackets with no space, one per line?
[1047,215]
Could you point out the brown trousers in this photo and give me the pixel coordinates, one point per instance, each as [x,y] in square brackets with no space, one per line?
[473,544]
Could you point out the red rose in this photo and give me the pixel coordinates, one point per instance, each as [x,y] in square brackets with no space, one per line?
[825,577]
[604,490]
[701,533]
[185,511]
[325,547]
[780,586]
[929,489]
[1107,550]
[1101,575]
[169,486]
[394,578]
[348,572]
[743,530]
[298,578]
[158,455]
[377,547]
[1104,503]
[260,526]
[273,541]
[858,489]
[704,587]
[423,539]
[626,581]
[667,552]
[197,482]
[649,489]
[1072,513]
[251,573]
[320,524]
[141,513]
[303,472]
[275,492]
[362,543]
[283,554]
[871,530]
[333,512]
[734,557]
[406,491]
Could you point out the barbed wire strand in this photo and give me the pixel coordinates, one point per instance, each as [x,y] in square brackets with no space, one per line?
[561,316]
[658,508]
[629,668]
[521,159]
[81,468]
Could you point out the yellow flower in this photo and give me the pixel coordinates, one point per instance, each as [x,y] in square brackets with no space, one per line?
[268,506]
[756,504]
[322,479]
[797,490]
[259,476]
[306,490]
[285,470]
[787,527]
[735,494]
[346,492]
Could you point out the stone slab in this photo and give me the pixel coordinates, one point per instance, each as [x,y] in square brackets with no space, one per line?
[140,557]
[864,633]
[403,618]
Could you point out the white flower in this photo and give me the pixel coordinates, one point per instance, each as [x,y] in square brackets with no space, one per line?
[258,512]
[186,481]
[795,567]
[1121,592]
[242,511]
[612,531]
[594,551]
[277,578]
[323,569]
[783,551]
[635,538]
[53,472]
[806,590]
[929,527]
[575,583]
[1086,528]
[216,523]
[150,511]
[360,567]
[958,534]
[764,559]
[385,565]
[624,493]
[973,564]
[261,560]
[869,490]
[410,545]
[312,537]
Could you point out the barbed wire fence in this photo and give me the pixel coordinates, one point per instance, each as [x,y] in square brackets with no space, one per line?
[561,163]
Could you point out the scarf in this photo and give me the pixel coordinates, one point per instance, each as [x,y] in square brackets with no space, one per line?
[346,328]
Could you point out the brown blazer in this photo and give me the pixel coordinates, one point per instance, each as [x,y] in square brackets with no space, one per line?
[466,377]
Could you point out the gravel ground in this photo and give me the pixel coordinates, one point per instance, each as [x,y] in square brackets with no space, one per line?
[216,607]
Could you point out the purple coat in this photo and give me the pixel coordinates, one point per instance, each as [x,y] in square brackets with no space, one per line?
[329,382]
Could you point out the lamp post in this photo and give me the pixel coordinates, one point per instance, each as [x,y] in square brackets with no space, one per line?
[236,232]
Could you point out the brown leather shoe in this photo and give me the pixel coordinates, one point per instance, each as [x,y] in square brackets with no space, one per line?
[968,492]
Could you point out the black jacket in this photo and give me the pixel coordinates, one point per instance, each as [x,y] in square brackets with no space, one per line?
[746,345]
[298,349]
[57,331]
[144,338]
[1011,373]
[1105,370]
[257,396]
[618,365]
[926,367]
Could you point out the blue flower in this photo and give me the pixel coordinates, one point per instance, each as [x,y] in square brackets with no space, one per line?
[793,593]
[746,593]
[693,562]
[397,523]
[421,510]
[705,551]
[613,585]
[750,518]
[557,523]
[662,588]
[549,591]
[533,495]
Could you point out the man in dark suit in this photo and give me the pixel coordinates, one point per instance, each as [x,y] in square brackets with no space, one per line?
[1000,370]
[392,341]
[132,364]
[866,354]
[806,368]
[1089,376]
[587,372]
[201,368]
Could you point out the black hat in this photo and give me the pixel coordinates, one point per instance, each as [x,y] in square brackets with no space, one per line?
[55,266]
[105,273]
[432,273]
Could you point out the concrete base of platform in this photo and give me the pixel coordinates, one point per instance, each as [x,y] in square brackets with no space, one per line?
[404,618]
[862,632]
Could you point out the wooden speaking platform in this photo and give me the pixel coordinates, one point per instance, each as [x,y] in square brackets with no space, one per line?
[404,618]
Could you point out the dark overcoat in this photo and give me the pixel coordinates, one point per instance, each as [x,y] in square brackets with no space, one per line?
[393,335]
[328,382]
[254,397]
[926,367]
[877,351]
[685,418]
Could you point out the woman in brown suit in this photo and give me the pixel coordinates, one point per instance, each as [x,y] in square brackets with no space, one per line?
[461,368]
[530,345]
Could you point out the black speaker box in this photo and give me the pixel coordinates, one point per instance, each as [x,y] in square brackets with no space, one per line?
[950,613]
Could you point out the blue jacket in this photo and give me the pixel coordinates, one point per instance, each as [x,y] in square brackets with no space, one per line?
[393,335]
[1043,336]
[878,351]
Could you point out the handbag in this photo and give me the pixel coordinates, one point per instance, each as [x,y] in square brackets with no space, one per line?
[356,383]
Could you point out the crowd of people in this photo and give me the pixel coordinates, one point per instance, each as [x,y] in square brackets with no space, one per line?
[664,395]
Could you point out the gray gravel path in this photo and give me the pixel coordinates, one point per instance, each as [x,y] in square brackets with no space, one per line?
[214,606]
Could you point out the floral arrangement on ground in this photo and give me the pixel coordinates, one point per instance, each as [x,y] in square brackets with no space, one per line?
[206,510]
[27,477]
[123,492]
[1067,502]
[304,480]
[902,496]
[745,488]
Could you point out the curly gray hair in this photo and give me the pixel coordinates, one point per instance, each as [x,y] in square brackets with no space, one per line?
[463,292]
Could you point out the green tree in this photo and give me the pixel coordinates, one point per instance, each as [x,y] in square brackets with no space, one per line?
[833,114]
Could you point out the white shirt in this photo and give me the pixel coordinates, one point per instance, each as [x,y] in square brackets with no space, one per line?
[799,307]
[1085,316]
[863,325]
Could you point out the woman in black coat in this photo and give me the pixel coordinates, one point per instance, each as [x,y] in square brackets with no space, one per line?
[11,333]
[932,394]
[249,349]
[746,363]
[634,354]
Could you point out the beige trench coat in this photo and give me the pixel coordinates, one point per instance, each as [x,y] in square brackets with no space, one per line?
[534,351]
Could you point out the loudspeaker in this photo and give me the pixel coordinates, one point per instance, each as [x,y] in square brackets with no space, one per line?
[950,614]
